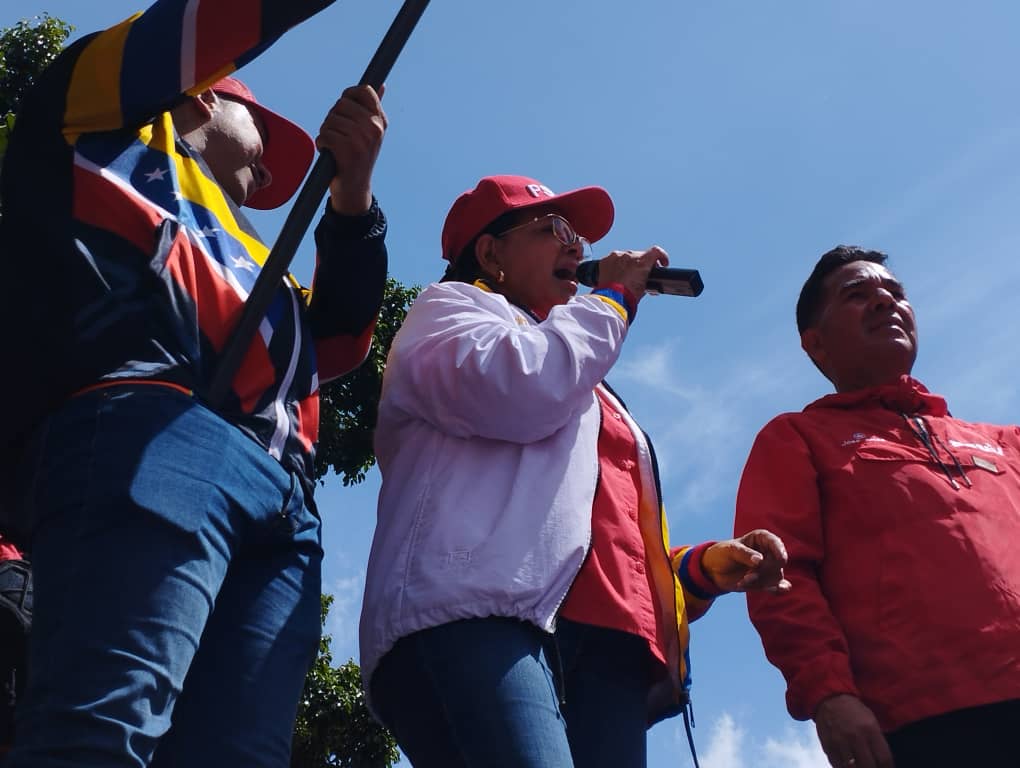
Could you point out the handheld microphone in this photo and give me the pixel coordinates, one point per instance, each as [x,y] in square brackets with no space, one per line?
[671,281]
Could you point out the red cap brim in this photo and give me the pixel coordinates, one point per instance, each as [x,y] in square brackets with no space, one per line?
[287,154]
[588,209]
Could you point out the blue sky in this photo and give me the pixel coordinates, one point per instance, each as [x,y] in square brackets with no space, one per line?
[746,139]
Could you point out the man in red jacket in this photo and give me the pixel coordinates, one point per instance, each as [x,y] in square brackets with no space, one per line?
[901,637]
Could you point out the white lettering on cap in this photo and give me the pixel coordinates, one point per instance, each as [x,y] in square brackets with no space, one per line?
[537,190]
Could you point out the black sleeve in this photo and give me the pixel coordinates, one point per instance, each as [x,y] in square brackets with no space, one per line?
[350,272]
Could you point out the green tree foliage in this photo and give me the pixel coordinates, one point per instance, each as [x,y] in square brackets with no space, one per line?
[334,727]
[348,405]
[26,49]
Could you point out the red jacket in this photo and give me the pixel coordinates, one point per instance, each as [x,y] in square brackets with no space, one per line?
[905,560]
[615,587]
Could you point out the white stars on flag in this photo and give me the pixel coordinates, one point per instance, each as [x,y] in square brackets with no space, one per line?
[240,262]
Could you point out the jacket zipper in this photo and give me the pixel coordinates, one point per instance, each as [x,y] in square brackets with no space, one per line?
[587,544]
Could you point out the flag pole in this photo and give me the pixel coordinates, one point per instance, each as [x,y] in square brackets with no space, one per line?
[305,207]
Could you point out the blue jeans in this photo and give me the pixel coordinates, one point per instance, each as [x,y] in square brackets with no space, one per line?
[177,582]
[483,693]
[606,676]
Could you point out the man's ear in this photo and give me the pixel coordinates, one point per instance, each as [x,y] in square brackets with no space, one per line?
[486,254]
[195,111]
[811,343]
[207,102]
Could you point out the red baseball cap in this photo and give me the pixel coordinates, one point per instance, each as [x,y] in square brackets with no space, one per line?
[588,209]
[288,152]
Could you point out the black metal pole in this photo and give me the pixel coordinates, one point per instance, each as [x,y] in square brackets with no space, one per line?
[305,207]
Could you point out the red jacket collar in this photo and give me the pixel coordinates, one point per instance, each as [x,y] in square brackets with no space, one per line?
[907,395]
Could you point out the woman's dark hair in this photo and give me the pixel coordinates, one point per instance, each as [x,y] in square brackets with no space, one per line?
[811,295]
[465,268]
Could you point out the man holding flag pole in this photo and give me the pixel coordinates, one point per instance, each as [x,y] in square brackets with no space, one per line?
[175,541]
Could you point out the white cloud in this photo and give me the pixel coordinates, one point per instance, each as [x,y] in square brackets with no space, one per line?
[730,747]
[725,746]
[703,431]
[652,366]
[797,750]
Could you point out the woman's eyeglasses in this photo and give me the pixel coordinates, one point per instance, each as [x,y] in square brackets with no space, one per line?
[561,229]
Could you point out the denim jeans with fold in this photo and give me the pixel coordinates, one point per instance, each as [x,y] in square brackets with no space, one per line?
[483,693]
[177,581]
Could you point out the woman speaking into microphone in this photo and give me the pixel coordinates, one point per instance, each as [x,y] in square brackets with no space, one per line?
[522,604]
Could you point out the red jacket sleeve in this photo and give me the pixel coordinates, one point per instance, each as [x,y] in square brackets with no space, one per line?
[779,491]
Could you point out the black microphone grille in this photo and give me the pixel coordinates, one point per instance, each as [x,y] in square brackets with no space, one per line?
[588,272]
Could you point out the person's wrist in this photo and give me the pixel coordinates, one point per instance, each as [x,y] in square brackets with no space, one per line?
[629,299]
[371,223]
[695,577]
[351,203]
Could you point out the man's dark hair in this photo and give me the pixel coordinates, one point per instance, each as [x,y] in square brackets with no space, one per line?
[809,305]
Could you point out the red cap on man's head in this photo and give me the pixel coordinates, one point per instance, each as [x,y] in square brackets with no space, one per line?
[288,151]
[588,209]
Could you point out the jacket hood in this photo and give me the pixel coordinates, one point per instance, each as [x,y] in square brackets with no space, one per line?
[907,395]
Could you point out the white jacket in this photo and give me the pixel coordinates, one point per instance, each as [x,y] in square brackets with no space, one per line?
[487,443]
